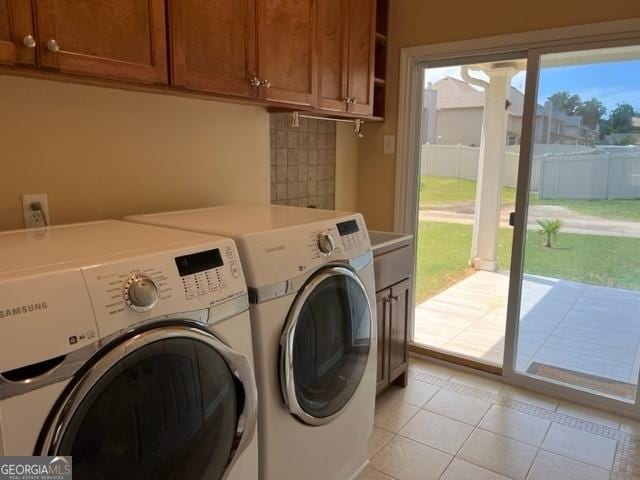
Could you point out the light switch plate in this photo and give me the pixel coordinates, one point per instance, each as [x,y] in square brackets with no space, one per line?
[389,144]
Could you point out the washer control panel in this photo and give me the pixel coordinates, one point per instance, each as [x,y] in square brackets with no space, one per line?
[127,292]
[207,272]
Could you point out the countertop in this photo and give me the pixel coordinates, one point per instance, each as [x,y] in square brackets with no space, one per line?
[382,242]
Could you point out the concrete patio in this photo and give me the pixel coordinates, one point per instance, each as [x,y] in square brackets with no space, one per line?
[572,332]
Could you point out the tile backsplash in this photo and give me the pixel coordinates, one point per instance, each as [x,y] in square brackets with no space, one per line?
[303,162]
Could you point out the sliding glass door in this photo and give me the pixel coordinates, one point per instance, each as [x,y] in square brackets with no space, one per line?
[574,311]
[471,123]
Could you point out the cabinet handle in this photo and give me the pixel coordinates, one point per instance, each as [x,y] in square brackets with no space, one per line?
[347,100]
[254,82]
[265,84]
[52,45]
[29,41]
[393,298]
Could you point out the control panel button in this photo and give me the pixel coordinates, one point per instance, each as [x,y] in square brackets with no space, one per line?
[235,271]
[140,292]
[326,244]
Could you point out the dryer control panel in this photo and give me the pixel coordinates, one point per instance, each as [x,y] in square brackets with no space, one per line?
[352,236]
[126,293]
[285,254]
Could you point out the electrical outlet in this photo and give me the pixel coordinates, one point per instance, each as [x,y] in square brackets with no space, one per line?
[389,144]
[35,218]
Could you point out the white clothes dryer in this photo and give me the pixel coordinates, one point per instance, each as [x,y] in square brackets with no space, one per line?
[127,347]
[312,295]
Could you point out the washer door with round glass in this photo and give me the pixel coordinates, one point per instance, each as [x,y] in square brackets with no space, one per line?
[168,403]
[325,345]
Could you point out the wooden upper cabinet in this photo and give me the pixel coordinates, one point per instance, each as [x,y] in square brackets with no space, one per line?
[332,54]
[361,55]
[213,45]
[16,33]
[287,51]
[346,30]
[117,39]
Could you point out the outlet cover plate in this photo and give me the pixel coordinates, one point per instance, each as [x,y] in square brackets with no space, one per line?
[31,220]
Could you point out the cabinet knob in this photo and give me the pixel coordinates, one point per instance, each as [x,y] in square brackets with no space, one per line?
[393,298]
[347,100]
[52,45]
[29,41]
[254,82]
[354,100]
[265,84]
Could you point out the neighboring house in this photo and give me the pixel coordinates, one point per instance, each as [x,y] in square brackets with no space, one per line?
[453,112]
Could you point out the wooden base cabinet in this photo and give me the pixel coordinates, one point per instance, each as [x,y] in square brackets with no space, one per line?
[383,319]
[393,306]
[394,303]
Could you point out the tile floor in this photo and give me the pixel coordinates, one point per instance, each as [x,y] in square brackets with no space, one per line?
[564,324]
[449,425]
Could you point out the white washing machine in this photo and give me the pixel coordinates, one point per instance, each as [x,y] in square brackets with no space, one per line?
[127,347]
[311,288]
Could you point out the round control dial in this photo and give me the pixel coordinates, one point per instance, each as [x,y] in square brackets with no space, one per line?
[326,244]
[141,292]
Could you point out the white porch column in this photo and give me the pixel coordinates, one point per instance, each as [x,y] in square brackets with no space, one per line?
[484,247]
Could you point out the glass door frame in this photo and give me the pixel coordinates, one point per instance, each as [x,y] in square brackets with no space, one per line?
[434,352]
[519,238]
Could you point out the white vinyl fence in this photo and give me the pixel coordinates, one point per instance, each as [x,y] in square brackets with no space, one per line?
[597,176]
[575,172]
[460,161]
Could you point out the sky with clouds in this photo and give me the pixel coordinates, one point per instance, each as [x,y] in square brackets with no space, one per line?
[611,82]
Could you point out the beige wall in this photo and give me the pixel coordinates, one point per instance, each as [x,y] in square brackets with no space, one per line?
[347,145]
[105,153]
[418,22]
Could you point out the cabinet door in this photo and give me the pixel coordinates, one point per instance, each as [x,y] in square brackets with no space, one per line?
[361,50]
[118,39]
[399,328]
[332,54]
[287,51]
[213,45]
[382,314]
[16,24]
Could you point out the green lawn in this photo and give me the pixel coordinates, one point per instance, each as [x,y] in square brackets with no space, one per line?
[443,257]
[438,190]
[609,209]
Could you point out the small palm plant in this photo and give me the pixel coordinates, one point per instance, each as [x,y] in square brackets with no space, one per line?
[550,228]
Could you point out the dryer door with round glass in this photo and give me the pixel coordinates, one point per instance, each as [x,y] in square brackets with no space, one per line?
[168,403]
[325,345]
